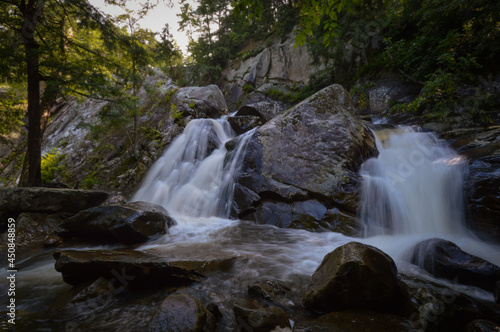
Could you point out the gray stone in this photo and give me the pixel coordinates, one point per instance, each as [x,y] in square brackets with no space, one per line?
[353,276]
[130,223]
[180,312]
[200,102]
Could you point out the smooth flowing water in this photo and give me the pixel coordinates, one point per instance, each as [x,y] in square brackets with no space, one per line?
[413,190]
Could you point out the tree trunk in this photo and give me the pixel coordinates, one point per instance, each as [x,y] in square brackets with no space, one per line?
[31,11]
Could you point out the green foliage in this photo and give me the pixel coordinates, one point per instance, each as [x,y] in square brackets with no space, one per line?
[177,115]
[90,180]
[53,163]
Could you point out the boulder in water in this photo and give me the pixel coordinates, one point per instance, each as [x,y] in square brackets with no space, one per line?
[353,276]
[252,316]
[130,223]
[444,259]
[312,150]
[180,312]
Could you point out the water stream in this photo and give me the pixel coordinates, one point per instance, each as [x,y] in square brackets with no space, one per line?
[411,191]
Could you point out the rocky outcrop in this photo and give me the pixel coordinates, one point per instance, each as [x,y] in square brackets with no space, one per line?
[445,259]
[131,223]
[377,97]
[353,276]
[180,312]
[310,153]
[278,63]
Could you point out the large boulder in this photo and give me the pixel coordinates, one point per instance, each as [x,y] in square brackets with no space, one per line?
[312,150]
[180,312]
[445,259]
[353,276]
[128,266]
[130,223]
[200,102]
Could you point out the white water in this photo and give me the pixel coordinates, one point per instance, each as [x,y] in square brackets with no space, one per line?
[191,179]
[412,191]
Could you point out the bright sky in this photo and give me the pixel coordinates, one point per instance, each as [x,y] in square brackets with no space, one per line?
[156,19]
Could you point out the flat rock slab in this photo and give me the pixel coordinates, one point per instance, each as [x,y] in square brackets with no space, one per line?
[131,223]
[49,200]
[130,266]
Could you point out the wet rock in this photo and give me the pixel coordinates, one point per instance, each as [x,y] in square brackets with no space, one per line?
[482,147]
[273,291]
[200,102]
[244,199]
[278,214]
[128,266]
[434,307]
[352,276]
[482,325]
[130,223]
[242,124]
[252,316]
[35,230]
[180,312]
[356,321]
[49,200]
[444,259]
[313,149]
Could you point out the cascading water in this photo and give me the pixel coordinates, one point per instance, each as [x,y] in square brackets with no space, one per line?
[414,186]
[192,178]
[413,190]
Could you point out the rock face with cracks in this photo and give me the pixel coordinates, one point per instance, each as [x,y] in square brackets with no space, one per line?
[313,150]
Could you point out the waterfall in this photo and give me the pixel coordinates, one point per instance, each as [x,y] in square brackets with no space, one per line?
[194,177]
[414,186]
[412,191]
